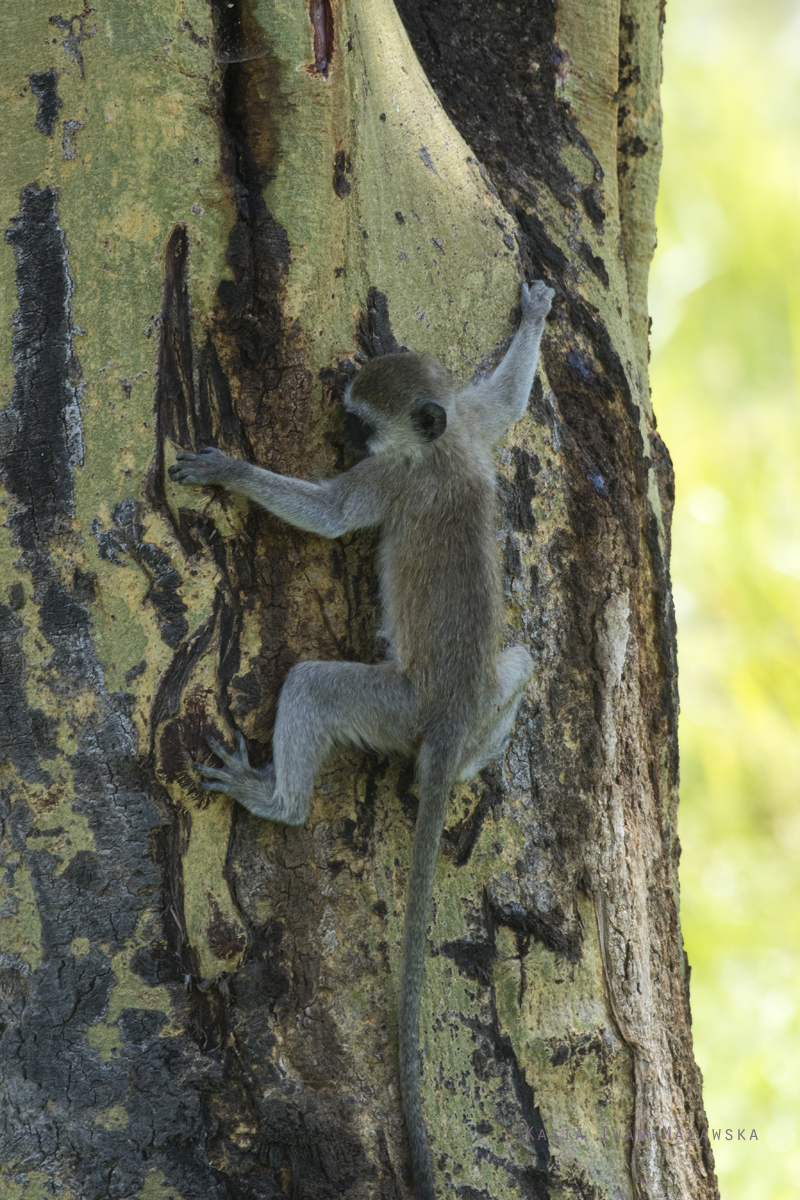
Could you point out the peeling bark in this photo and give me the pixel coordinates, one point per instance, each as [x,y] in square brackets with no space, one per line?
[246,201]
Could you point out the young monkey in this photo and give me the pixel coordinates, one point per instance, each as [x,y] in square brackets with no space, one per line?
[428,481]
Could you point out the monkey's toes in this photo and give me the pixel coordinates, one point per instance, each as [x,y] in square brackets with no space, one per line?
[221,752]
[209,786]
[183,472]
[220,774]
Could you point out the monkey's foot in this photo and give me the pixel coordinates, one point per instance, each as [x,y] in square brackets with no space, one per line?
[207,467]
[536,300]
[253,787]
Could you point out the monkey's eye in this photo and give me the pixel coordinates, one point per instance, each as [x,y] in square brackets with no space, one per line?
[357,433]
[430,421]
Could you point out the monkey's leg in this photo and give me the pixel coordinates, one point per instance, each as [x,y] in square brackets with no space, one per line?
[325,703]
[321,704]
[514,669]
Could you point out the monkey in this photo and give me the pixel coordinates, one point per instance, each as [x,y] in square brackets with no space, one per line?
[445,691]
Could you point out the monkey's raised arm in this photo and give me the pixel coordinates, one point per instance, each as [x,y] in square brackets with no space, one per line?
[330,508]
[495,403]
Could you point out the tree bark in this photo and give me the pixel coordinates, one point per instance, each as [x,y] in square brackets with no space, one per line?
[219,209]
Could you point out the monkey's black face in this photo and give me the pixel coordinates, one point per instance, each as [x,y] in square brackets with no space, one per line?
[357,433]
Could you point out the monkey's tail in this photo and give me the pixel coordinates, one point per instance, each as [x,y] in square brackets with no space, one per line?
[438,760]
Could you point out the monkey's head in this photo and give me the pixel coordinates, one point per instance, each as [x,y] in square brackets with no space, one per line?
[398,403]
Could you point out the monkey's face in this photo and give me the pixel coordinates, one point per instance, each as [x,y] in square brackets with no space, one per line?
[397,403]
[357,434]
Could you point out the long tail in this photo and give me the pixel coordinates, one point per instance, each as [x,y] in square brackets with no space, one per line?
[437,770]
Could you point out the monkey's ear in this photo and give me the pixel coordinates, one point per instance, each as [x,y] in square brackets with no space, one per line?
[430,421]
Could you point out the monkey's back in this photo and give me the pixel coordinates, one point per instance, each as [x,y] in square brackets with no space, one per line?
[440,582]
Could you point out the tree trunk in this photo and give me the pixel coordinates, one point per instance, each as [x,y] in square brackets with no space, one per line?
[220,208]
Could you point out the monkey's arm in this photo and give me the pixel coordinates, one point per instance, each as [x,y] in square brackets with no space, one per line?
[501,400]
[330,508]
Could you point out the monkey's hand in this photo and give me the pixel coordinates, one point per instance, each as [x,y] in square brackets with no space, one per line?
[536,300]
[251,786]
[207,467]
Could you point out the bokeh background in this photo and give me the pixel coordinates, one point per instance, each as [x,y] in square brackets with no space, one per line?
[725,302]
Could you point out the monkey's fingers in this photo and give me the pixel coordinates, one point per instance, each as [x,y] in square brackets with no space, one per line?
[241,746]
[213,787]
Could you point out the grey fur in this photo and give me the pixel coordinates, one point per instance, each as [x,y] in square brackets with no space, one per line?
[429,483]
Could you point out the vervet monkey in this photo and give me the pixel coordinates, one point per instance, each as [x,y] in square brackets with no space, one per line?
[446,691]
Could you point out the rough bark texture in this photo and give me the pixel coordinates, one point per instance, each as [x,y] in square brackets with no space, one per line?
[214,210]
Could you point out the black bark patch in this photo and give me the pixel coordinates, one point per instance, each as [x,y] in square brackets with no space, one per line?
[375,329]
[225,939]
[547,928]
[547,256]
[237,38]
[164,583]
[135,672]
[459,840]
[634,147]
[494,72]
[193,408]
[16,596]
[180,413]
[60,618]
[665,608]
[258,249]
[176,676]
[585,321]
[40,429]
[512,557]
[474,960]
[594,263]
[538,406]
[26,734]
[518,496]
[593,207]
[667,630]
[302,1134]
[495,1052]
[341,169]
[309,1138]
[538,1177]
[43,86]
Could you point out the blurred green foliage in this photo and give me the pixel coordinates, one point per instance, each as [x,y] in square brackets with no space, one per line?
[725,301]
